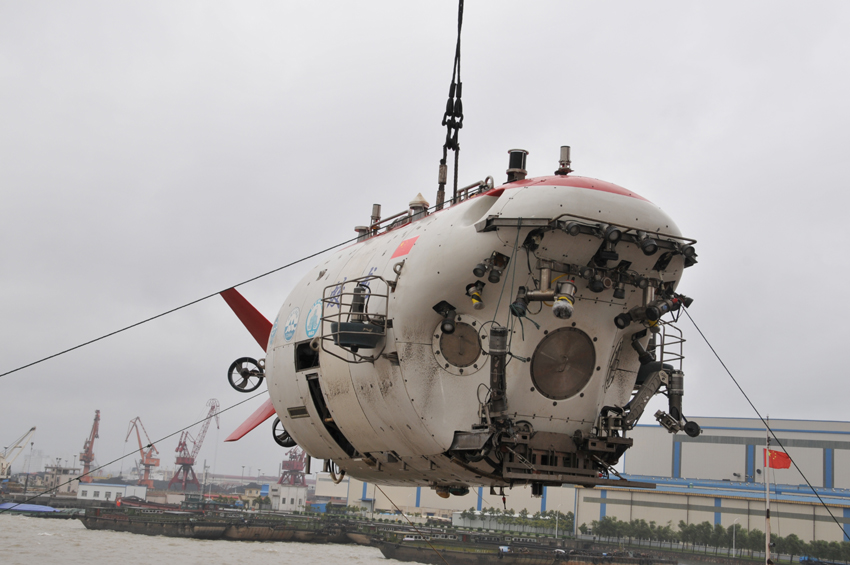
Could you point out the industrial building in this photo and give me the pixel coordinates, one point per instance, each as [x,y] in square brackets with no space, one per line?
[715,477]
[730,449]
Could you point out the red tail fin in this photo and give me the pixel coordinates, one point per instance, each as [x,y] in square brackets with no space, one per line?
[259,416]
[250,317]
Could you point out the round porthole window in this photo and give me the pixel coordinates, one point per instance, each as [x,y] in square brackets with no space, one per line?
[460,352]
[563,363]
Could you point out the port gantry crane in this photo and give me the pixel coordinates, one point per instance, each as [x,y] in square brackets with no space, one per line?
[292,470]
[87,456]
[11,453]
[148,461]
[185,474]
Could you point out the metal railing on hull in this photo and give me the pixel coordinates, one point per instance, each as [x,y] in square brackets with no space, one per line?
[417,210]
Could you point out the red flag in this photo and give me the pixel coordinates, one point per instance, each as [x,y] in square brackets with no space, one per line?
[404,247]
[776,459]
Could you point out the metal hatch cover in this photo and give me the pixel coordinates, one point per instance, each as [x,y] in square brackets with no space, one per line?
[563,363]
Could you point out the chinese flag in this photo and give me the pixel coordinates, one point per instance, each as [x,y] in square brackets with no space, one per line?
[404,247]
[776,459]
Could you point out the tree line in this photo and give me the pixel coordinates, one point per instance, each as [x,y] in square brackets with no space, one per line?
[508,517]
[706,534]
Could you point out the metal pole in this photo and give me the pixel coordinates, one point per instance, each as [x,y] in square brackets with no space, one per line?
[557,516]
[204,485]
[575,512]
[29,462]
[734,531]
[767,499]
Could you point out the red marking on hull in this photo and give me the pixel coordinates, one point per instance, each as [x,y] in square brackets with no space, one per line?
[404,247]
[250,317]
[577,182]
[495,192]
[259,416]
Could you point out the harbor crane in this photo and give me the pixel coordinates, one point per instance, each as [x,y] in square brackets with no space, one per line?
[148,461]
[185,474]
[11,453]
[87,456]
[292,469]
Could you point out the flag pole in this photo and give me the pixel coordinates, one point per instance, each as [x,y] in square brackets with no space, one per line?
[767,497]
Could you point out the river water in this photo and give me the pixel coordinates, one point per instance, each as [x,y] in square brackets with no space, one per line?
[28,541]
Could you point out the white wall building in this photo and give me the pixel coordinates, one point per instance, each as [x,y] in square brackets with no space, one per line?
[109,493]
[288,498]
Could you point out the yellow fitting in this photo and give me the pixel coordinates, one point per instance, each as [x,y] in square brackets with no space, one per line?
[477,303]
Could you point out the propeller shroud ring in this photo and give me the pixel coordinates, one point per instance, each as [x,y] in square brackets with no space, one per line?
[282,437]
[246,374]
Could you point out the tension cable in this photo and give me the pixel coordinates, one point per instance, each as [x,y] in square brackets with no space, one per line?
[193,302]
[766,424]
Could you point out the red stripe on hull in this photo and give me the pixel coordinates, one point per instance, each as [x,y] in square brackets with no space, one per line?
[566,180]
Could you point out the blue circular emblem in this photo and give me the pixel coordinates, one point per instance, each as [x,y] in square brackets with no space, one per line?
[274,331]
[291,324]
[314,318]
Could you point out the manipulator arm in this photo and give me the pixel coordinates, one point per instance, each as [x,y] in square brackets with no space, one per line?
[660,375]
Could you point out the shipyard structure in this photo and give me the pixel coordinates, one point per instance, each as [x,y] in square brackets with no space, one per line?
[716,477]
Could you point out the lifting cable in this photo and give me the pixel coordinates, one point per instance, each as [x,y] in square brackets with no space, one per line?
[767,426]
[452,119]
[77,478]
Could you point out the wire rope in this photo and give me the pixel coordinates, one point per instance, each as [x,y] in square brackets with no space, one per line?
[193,302]
[171,311]
[766,424]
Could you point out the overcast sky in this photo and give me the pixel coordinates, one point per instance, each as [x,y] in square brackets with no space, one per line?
[155,152]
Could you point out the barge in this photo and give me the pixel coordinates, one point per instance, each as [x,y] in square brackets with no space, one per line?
[431,546]
[474,549]
[220,525]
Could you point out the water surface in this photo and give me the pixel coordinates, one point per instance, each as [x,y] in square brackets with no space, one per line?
[29,541]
